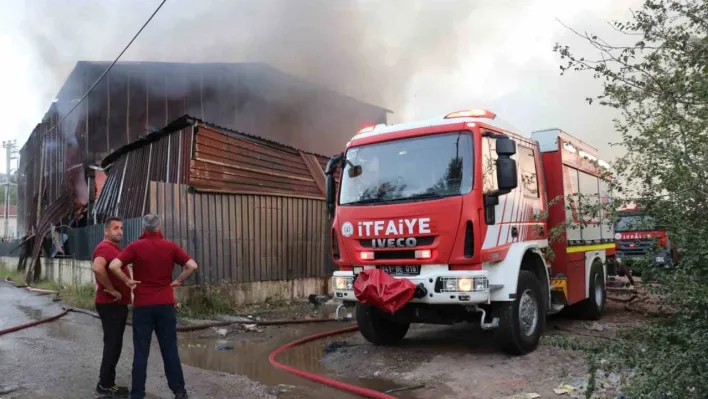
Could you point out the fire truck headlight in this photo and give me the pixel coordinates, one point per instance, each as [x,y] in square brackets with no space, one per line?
[464,284]
[480,284]
[344,283]
[450,284]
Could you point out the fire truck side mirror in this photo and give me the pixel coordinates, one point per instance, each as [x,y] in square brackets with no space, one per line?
[506,175]
[506,147]
[506,167]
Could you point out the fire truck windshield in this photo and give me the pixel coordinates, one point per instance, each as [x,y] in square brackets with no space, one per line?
[634,223]
[412,169]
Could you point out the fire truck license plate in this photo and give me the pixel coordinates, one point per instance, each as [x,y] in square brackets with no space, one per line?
[412,270]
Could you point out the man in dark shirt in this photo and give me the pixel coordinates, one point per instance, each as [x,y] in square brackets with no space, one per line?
[153,259]
[112,299]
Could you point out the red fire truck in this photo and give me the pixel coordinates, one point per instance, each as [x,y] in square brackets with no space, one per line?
[455,205]
[638,237]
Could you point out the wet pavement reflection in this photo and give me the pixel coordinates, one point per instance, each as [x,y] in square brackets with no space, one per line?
[247,354]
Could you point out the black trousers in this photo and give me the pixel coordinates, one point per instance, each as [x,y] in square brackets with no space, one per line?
[113,319]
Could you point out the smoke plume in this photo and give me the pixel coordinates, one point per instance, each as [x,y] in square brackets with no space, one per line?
[416,57]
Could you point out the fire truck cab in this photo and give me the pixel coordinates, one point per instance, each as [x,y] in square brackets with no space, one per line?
[638,237]
[459,205]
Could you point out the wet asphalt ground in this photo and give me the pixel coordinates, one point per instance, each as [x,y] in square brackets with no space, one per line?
[61,359]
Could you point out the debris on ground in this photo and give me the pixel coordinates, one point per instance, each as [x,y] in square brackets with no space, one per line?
[221,332]
[224,347]
[394,390]
[282,388]
[231,319]
[530,395]
[595,326]
[252,328]
[563,389]
[333,346]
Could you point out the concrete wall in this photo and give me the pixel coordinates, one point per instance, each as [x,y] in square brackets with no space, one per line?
[63,271]
[78,272]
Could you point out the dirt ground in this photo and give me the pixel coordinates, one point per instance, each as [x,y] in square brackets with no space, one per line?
[459,361]
[450,361]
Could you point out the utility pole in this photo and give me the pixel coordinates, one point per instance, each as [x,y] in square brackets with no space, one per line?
[10,151]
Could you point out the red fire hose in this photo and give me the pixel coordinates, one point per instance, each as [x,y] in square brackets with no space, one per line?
[34,323]
[367,393]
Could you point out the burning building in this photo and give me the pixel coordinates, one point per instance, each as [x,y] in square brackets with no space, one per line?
[137,99]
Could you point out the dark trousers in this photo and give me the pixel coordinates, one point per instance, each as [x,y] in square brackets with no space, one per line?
[113,319]
[163,320]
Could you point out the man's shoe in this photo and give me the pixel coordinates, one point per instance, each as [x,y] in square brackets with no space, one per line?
[181,396]
[113,392]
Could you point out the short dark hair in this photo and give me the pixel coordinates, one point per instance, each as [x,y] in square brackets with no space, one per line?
[112,219]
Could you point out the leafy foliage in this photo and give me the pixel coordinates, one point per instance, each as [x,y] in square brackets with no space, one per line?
[659,84]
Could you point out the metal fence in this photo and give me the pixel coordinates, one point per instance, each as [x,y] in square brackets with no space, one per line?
[82,241]
[10,248]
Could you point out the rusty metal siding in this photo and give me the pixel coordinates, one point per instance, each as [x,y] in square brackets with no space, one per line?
[229,162]
[244,238]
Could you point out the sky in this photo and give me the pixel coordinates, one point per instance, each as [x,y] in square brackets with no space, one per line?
[418,58]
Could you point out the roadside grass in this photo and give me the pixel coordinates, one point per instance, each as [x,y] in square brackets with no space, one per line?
[5,272]
[47,285]
[203,303]
[81,296]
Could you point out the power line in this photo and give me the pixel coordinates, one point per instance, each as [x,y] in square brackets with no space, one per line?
[109,67]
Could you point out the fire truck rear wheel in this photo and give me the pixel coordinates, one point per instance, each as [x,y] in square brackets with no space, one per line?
[376,328]
[593,307]
[522,321]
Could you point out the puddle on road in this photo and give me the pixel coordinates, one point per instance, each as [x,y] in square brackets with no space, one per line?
[250,358]
[32,313]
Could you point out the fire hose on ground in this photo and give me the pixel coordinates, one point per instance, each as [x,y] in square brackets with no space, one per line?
[363,392]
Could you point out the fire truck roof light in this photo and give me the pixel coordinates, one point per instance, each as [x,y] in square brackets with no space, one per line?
[367,129]
[471,113]
[603,164]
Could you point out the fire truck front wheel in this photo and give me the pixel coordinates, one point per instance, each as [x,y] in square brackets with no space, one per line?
[376,328]
[522,321]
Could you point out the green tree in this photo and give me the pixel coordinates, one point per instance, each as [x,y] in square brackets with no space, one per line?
[659,85]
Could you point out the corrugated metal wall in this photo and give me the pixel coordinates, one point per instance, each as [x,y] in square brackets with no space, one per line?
[125,192]
[244,238]
[82,241]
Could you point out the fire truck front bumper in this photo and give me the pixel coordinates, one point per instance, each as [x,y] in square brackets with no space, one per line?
[440,286]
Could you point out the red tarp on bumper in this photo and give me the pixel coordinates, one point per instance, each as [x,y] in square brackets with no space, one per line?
[376,287]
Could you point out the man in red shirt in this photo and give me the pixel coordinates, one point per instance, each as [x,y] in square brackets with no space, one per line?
[112,299]
[153,260]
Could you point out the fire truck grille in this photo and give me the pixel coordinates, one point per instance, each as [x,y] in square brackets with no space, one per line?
[405,254]
[420,241]
[635,247]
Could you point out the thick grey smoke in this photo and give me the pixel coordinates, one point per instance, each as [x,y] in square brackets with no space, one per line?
[416,57]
